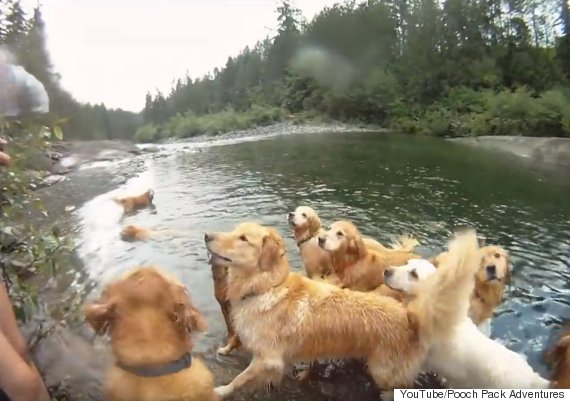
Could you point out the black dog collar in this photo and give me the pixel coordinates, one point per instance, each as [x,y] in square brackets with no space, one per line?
[155,371]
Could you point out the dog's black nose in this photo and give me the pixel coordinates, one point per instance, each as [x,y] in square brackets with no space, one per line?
[322,241]
[290,215]
[208,237]
[388,273]
[491,270]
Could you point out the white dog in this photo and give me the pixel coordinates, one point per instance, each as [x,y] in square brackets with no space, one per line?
[467,359]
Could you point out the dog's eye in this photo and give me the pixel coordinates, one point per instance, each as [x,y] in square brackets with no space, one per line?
[243,238]
[339,233]
[304,215]
[414,274]
[497,256]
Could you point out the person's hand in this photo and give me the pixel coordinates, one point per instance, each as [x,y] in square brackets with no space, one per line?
[4,158]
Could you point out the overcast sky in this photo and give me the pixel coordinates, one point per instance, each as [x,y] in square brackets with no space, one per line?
[114,51]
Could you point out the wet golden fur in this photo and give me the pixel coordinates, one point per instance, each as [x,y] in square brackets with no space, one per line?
[150,319]
[131,204]
[284,318]
[133,233]
[355,264]
[489,289]
[307,227]
[558,358]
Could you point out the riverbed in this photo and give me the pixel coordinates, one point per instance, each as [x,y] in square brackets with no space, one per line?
[387,184]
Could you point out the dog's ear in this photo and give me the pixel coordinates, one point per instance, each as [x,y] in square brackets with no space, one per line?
[314,224]
[509,272]
[558,352]
[356,247]
[100,315]
[272,250]
[185,313]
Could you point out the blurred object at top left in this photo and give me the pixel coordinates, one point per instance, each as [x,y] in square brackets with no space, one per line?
[20,92]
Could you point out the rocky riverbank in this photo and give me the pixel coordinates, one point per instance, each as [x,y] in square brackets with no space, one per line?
[537,151]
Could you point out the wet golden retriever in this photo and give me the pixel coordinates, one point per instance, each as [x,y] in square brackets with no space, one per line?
[132,233]
[307,227]
[131,204]
[284,318]
[491,279]
[150,319]
[355,265]
[558,358]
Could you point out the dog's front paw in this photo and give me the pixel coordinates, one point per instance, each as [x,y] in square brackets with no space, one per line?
[223,391]
[387,395]
[225,350]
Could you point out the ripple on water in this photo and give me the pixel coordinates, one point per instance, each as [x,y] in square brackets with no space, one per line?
[389,191]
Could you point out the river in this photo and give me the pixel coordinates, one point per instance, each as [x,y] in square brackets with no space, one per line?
[388,184]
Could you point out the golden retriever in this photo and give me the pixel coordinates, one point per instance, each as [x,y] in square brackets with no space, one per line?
[467,358]
[559,360]
[284,318]
[491,279]
[150,319]
[131,204]
[133,233]
[356,266]
[307,227]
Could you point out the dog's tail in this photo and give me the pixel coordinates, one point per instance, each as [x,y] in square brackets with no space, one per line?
[442,299]
[405,243]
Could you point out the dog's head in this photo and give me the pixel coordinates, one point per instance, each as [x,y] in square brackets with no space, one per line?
[343,237]
[146,302]
[249,246]
[495,267]
[130,233]
[304,218]
[406,278]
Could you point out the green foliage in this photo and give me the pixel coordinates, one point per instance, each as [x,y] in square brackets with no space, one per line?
[189,124]
[455,67]
[25,251]
[467,112]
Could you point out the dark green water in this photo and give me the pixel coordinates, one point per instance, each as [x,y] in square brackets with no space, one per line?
[387,184]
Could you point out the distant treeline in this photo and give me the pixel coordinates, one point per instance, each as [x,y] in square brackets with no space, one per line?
[452,67]
[24,35]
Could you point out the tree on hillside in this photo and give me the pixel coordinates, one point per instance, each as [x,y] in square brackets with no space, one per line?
[285,44]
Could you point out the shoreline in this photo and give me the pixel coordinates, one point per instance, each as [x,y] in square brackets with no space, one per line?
[537,152]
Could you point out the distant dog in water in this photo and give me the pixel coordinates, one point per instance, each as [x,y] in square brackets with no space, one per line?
[133,233]
[131,204]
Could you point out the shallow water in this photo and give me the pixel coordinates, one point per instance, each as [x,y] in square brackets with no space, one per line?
[387,184]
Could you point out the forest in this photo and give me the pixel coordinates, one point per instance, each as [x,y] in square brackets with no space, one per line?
[446,68]
[24,36]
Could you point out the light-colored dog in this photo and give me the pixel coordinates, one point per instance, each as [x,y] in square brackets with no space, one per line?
[131,204]
[491,279]
[150,319]
[467,358]
[284,318]
[356,266]
[307,227]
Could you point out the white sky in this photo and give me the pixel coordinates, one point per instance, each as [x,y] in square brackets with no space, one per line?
[114,51]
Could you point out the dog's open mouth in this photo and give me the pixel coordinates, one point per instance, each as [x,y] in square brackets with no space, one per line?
[213,257]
